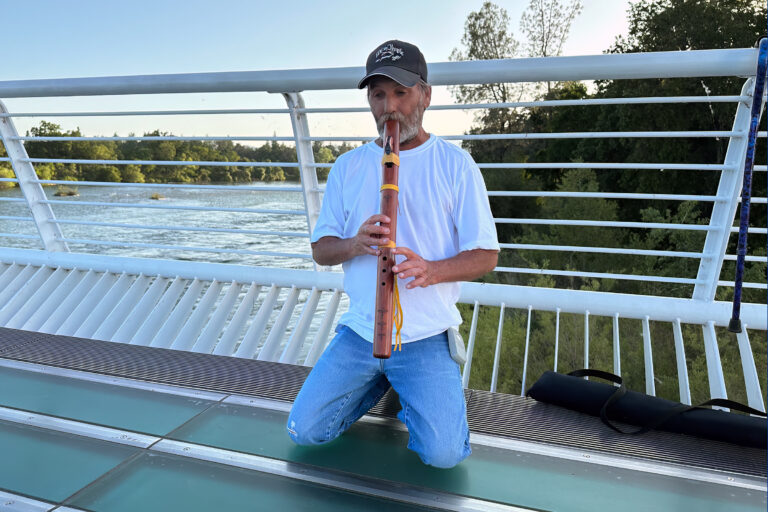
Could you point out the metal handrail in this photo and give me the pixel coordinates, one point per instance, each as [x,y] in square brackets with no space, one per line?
[701,63]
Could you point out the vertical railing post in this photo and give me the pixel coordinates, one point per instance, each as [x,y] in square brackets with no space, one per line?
[50,233]
[724,211]
[306,160]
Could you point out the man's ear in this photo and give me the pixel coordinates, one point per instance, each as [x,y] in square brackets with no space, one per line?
[427,96]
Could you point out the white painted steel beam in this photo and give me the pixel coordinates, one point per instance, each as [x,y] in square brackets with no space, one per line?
[298,336]
[470,346]
[104,306]
[751,381]
[210,333]
[586,339]
[193,327]
[226,345]
[700,63]
[665,309]
[557,338]
[269,349]
[178,317]
[140,312]
[321,337]
[122,310]
[65,308]
[616,346]
[682,367]
[53,301]
[527,343]
[24,311]
[497,352]
[305,156]
[258,325]
[159,312]
[24,293]
[50,234]
[15,282]
[723,213]
[650,382]
[91,298]
[714,366]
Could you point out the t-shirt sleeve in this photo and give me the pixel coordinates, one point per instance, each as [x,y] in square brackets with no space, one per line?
[472,212]
[331,220]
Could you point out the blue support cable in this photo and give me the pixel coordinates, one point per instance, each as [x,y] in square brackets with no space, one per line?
[746,191]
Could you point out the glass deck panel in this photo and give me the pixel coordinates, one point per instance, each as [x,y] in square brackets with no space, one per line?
[50,465]
[514,478]
[160,482]
[95,402]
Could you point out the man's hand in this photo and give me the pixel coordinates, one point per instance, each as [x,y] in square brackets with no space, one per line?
[371,234]
[422,271]
[331,250]
[465,266]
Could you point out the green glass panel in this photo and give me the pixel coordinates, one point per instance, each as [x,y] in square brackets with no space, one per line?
[159,482]
[93,402]
[50,465]
[493,474]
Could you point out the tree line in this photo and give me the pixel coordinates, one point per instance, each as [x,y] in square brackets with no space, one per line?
[164,150]
[654,25]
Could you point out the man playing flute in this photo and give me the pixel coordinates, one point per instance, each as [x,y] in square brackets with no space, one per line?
[445,234]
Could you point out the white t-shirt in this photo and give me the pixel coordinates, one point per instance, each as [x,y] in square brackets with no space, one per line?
[443,211]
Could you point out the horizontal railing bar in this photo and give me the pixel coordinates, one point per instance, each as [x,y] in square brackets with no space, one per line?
[699,63]
[603,195]
[609,224]
[487,294]
[171,185]
[731,284]
[550,103]
[755,259]
[604,250]
[5,159]
[17,235]
[565,135]
[9,180]
[757,200]
[594,165]
[760,168]
[184,248]
[9,217]
[600,165]
[755,231]
[150,112]
[174,207]
[182,228]
[154,138]
[157,162]
[13,199]
[602,275]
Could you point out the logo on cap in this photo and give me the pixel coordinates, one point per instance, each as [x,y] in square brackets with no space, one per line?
[389,51]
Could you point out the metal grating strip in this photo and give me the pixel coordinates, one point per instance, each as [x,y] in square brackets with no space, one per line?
[489,413]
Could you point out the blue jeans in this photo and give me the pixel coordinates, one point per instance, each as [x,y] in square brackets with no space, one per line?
[347,381]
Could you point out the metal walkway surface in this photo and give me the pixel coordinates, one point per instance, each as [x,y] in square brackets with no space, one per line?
[85,422]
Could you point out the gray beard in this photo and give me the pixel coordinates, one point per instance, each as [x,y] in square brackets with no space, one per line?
[409,126]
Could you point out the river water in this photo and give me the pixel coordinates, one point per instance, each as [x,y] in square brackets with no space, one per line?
[75,210]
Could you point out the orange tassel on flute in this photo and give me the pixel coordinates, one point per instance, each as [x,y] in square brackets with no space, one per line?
[387,300]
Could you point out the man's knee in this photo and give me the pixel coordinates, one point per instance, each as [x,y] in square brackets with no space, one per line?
[441,455]
[444,457]
[302,435]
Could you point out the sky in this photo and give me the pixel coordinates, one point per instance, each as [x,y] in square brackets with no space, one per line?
[84,38]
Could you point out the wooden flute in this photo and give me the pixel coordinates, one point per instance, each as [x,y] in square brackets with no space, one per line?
[385,279]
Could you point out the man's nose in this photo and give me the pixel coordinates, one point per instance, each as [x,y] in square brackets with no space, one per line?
[390,105]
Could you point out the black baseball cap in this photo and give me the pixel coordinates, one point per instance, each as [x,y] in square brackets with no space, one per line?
[398,60]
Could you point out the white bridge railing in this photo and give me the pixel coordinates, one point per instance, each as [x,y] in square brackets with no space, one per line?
[222,311]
